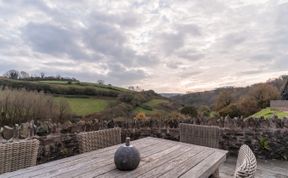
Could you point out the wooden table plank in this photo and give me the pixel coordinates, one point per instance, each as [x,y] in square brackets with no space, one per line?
[159,158]
[185,166]
[156,171]
[146,163]
[81,165]
[207,167]
[93,170]
[111,167]
[59,164]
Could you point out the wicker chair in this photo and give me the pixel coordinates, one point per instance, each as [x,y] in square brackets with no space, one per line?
[89,141]
[246,163]
[200,135]
[18,155]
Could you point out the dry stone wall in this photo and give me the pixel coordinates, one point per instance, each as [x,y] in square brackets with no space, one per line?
[267,138]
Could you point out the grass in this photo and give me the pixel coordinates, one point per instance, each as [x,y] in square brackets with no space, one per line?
[85,106]
[53,81]
[154,103]
[139,109]
[269,112]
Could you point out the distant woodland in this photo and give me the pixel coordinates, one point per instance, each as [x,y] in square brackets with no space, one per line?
[234,101]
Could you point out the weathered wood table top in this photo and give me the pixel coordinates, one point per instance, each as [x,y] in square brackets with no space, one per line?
[159,158]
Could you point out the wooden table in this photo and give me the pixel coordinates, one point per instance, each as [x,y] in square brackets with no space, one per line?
[159,158]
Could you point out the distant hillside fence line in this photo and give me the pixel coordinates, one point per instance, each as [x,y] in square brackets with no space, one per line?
[268,139]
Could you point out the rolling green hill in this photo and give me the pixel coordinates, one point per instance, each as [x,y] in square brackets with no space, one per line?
[64,87]
[83,98]
[86,98]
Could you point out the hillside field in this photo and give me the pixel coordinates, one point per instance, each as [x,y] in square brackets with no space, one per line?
[86,98]
[64,87]
[269,112]
[154,104]
[86,106]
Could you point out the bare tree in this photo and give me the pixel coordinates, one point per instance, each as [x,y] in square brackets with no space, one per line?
[100,82]
[42,75]
[64,110]
[12,74]
[24,75]
[131,88]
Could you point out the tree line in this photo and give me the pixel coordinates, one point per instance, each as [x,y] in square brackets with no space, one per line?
[59,89]
[22,75]
[233,101]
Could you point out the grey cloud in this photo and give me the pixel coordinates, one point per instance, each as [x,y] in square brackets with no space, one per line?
[124,20]
[171,42]
[189,73]
[281,15]
[173,65]
[263,57]
[190,29]
[190,55]
[50,39]
[105,38]
[119,74]
[110,41]
[131,38]
[232,40]
[281,64]
[5,66]
[251,72]
[4,43]
[101,37]
[12,7]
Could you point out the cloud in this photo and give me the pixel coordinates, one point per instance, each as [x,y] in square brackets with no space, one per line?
[168,45]
[53,40]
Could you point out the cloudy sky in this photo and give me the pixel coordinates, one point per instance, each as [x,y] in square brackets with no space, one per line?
[165,45]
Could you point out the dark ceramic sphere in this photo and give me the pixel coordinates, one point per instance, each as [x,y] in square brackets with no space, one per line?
[127,157]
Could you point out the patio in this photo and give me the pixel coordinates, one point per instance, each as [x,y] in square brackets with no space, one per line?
[265,168]
[160,157]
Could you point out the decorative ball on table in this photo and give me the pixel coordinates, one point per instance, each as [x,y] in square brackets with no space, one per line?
[127,157]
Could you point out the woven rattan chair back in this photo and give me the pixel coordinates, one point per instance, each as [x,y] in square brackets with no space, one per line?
[246,163]
[200,135]
[18,155]
[89,141]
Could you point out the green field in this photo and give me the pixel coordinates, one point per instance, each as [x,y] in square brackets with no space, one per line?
[64,87]
[85,106]
[154,103]
[53,82]
[269,112]
[139,109]
[86,98]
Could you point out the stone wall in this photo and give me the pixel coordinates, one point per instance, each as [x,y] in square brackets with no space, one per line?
[268,138]
[58,146]
[265,143]
[279,104]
